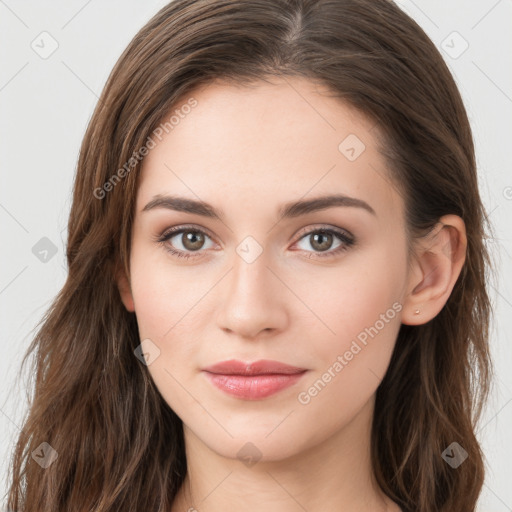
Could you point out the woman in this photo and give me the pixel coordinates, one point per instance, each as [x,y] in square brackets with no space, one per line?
[276,295]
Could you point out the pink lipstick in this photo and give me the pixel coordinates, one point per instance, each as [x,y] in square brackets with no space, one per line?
[253,380]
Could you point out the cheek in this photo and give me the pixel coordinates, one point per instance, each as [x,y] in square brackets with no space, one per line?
[166,309]
[163,292]
[363,291]
[351,361]
[359,308]
[167,305]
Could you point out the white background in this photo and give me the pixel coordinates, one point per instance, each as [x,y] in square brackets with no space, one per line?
[46,104]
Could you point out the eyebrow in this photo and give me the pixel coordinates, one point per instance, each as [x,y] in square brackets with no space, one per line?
[287,211]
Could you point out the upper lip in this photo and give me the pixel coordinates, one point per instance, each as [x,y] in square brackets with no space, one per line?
[261,367]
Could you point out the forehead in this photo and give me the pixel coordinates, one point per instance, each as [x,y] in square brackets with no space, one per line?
[267,143]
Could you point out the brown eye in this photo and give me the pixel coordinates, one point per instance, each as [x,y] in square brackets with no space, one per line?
[184,242]
[192,240]
[321,241]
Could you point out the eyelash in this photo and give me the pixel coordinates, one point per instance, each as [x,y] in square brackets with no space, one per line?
[347,239]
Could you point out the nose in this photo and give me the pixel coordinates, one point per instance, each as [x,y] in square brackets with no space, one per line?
[252,299]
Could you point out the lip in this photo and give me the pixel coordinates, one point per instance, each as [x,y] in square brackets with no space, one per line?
[253,380]
[261,367]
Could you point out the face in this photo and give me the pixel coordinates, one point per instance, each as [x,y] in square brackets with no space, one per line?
[318,289]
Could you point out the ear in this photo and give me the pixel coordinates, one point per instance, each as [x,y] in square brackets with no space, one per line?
[125,290]
[437,263]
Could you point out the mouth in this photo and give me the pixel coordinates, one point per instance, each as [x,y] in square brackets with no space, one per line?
[253,380]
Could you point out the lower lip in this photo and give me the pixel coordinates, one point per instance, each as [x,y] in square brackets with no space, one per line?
[253,387]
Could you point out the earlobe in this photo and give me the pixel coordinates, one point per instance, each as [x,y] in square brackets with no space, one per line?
[438,262]
[125,291]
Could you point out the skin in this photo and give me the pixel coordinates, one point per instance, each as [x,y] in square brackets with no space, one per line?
[246,151]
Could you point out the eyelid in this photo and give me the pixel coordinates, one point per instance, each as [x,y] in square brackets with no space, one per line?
[299,234]
[325,227]
[184,227]
[346,236]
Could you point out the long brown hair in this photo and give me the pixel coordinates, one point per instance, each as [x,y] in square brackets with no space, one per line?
[120,446]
